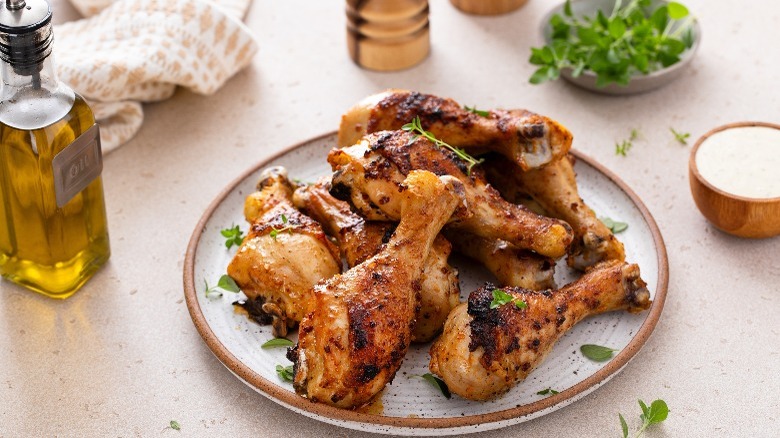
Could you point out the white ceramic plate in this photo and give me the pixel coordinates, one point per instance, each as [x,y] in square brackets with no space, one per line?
[411,406]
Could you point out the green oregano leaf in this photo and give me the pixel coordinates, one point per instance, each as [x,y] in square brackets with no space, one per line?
[597,353]
[437,383]
[278,342]
[285,373]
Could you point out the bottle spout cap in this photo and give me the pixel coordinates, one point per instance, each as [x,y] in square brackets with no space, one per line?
[25,34]
[22,16]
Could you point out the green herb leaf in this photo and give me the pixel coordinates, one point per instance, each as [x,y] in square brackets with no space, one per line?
[613,225]
[233,236]
[225,283]
[474,110]
[633,39]
[438,383]
[285,373]
[548,391]
[597,353]
[500,297]
[681,137]
[275,231]
[677,11]
[175,425]
[228,284]
[416,127]
[623,425]
[623,147]
[278,342]
[658,412]
[211,292]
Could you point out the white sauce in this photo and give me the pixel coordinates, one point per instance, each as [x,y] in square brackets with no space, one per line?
[743,161]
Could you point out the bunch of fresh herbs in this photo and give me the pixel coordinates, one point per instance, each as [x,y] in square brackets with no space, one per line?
[632,39]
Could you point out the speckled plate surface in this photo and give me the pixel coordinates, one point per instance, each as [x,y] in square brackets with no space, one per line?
[411,406]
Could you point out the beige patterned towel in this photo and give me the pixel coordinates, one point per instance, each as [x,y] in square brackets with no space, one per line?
[138,51]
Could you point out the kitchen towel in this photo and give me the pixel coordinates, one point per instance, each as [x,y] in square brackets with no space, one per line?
[128,52]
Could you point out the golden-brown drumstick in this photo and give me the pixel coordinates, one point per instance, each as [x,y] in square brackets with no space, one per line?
[359,240]
[369,175]
[354,339]
[284,253]
[483,352]
[527,139]
[511,266]
[554,188]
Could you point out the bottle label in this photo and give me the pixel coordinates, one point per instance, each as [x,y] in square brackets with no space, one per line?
[77,165]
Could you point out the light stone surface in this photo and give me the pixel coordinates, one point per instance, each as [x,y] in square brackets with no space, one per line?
[122,357]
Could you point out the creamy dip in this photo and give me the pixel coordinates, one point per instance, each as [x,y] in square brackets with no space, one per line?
[743,161]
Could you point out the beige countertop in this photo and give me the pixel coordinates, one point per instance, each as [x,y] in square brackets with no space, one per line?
[122,357]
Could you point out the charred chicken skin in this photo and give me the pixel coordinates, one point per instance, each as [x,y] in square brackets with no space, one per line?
[554,188]
[369,174]
[484,352]
[527,139]
[353,340]
[268,266]
[360,240]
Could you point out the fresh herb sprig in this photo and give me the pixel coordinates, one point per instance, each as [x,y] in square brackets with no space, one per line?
[500,297]
[631,40]
[437,383]
[597,353]
[547,391]
[174,425]
[233,236]
[278,342]
[657,412]
[224,283]
[474,110]
[681,137]
[275,231]
[624,146]
[613,225]
[416,127]
[285,373]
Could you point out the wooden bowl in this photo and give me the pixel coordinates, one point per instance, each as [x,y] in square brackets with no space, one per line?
[734,214]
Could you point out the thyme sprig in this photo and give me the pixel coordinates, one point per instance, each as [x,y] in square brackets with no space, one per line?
[416,127]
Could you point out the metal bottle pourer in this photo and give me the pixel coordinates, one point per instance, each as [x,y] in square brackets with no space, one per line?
[25,36]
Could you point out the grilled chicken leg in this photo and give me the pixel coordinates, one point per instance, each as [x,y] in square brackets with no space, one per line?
[555,189]
[369,175]
[354,339]
[284,253]
[511,266]
[360,240]
[483,352]
[527,139]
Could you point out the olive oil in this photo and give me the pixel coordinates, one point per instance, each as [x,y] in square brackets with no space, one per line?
[50,249]
[53,229]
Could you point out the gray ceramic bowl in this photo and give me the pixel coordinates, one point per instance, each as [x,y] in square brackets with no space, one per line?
[639,83]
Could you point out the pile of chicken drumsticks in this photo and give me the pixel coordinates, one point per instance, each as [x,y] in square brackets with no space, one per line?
[394,208]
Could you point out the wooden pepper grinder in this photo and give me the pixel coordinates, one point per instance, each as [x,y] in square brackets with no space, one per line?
[388,35]
[487,7]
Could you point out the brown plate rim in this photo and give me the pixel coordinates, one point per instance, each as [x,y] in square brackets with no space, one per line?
[274,391]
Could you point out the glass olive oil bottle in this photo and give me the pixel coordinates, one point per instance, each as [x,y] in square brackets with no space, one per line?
[53,229]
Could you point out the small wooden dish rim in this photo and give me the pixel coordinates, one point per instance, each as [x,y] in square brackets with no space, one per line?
[701,180]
